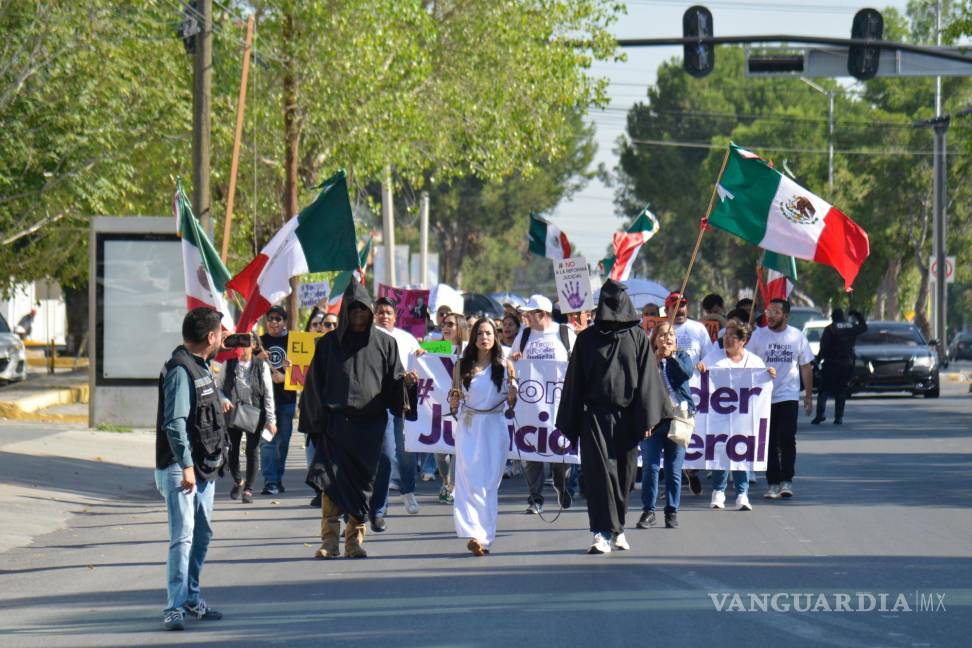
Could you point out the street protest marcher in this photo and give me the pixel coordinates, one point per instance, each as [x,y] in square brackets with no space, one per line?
[273,453]
[511,326]
[318,322]
[544,339]
[355,378]
[613,395]
[393,449]
[191,448]
[732,355]
[455,330]
[836,354]
[245,385]
[676,370]
[714,308]
[486,389]
[785,349]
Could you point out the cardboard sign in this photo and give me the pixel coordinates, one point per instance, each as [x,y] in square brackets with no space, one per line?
[300,352]
[573,279]
[440,347]
[649,323]
[413,308]
[311,294]
[712,326]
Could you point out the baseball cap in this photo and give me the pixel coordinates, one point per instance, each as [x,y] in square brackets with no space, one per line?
[537,302]
[674,298]
[277,310]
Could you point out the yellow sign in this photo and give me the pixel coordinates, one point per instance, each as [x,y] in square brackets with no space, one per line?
[300,352]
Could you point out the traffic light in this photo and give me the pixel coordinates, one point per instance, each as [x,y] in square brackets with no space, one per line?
[699,58]
[862,61]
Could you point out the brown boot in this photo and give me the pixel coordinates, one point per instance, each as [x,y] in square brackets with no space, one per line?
[330,530]
[354,535]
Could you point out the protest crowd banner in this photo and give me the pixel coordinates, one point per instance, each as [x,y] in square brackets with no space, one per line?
[573,279]
[533,435]
[412,311]
[300,352]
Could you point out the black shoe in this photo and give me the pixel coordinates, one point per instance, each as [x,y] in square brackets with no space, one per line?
[247,496]
[671,521]
[203,612]
[316,501]
[173,621]
[646,520]
[566,500]
[837,421]
[236,490]
[281,488]
[266,490]
[378,524]
[817,420]
[695,484]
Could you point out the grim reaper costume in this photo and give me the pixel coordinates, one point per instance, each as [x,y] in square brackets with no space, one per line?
[354,380]
[613,394]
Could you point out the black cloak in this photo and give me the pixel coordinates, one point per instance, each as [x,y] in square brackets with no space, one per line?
[353,381]
[613,394]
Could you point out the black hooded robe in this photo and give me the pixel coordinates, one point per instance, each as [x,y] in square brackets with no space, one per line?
[613,393]
[352,382]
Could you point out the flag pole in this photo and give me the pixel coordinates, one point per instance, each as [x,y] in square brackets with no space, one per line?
[702,228]
[759,281]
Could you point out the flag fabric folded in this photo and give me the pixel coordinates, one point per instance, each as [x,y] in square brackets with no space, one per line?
[205,274]
[627,244]
[335,297]
[547,240]
[320,238]
[759,204]
[777,274]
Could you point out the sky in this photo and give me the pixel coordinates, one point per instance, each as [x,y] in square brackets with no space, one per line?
[589,218]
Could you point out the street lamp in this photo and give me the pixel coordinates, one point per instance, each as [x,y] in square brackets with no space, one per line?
[830,121]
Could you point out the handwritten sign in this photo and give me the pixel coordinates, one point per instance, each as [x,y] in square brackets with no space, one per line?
[300,352]
[441,347]
[573,279]
[311,294]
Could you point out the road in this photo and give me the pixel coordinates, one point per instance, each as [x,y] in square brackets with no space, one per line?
[882,506]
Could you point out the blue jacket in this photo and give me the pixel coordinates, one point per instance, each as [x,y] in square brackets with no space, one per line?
[679,370]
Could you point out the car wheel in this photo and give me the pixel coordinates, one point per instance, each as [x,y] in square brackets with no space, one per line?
[933,393]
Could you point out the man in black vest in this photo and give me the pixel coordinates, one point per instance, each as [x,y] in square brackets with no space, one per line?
[191,447]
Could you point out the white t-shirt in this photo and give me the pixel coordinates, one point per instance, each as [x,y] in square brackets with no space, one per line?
[785,351]
[407,344]
[693,338]
[546,345]
[717,359]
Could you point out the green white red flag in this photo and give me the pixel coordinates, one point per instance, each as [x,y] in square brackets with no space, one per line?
[777,276]
[547,240]
[627,244]
[345,277]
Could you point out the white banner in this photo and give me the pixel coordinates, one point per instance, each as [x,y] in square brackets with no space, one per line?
[531,428]
[573,285]
[731,420]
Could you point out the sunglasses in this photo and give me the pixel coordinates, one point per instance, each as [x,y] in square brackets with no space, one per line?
[274,319]
[329,325]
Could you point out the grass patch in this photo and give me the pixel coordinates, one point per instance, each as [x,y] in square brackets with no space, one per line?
[111,427]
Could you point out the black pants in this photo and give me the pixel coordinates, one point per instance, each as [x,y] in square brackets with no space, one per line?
[782,442]
[534,473]
[252,444]
[610,461]
[840,398]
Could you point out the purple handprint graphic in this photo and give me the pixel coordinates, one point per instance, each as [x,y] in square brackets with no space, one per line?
[571,293]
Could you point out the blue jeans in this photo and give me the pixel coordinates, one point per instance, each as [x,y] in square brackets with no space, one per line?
[651,453]
[406,460]
[273,454]
[190,530]
[379,496]
[720,479]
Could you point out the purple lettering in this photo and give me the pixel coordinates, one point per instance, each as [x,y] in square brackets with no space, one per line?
[702,405]
[521,436]
[761,445]
[695,444]
[711,441]
[436,432]
[733,443]
[745,394]
[721,399]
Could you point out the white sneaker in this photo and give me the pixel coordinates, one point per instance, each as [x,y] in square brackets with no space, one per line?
[718,500]
[600,545]
[773,492]
[619,542]
[411,504]
[742,503]
[786,489]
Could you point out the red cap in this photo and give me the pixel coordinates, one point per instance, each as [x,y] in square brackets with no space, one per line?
[673,298]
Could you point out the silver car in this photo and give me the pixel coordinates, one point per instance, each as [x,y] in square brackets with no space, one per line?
[13,355]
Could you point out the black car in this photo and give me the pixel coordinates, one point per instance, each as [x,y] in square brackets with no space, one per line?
[894,356]
[480,305]
[961,347]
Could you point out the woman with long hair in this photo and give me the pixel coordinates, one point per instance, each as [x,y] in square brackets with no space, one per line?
[455,330]
[480,399]
[511,326]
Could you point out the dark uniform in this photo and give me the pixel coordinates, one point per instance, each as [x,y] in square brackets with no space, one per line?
[837,355]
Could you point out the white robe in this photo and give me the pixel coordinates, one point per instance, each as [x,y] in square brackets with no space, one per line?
[481,449]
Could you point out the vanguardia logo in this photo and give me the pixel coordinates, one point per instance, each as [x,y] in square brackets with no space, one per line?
[828,601]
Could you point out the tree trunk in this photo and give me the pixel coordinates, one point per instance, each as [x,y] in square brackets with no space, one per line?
[291,154]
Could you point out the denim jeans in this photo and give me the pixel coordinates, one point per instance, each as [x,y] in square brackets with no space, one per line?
[190,530]
[379,496]
[428,463]
[273,454]
[720,479]
[651,461]
[406,460]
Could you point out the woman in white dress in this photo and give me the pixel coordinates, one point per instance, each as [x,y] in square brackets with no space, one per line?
[481,396]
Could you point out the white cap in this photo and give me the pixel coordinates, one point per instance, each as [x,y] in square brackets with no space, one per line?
[538,302]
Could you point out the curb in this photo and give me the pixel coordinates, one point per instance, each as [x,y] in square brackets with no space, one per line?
[25,408]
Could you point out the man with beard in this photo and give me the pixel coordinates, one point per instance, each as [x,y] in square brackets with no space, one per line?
[354,380]
[613,394]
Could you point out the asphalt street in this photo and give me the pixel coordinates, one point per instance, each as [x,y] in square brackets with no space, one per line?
[882,507]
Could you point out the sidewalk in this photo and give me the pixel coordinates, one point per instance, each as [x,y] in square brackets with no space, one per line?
[65,391]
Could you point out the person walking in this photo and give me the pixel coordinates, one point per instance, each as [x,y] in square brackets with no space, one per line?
[456,331]
[486,390]
[273,453]
[836,354]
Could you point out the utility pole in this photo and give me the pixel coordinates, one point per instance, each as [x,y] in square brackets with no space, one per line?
[388,226]
[202,80]
[938,205]
[424,240]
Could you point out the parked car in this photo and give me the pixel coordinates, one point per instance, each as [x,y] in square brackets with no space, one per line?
[814,329]
[894,356]
[13,355]
[800,315]
[961,346]
[479,304]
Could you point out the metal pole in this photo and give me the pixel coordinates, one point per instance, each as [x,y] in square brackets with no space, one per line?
[388,227]
[424,240]
[830,142]
[202,79]
[939,198]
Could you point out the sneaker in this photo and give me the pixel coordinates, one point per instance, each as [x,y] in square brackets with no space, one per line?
[695,485]
[270,489]
[508,471]
[565,499]
[838,421]
[378,524]
[316,501]
[647,520]
[202,611]
[742,503]
[247,496]
[428,476]
[534,509]
[619,542]
[718,500]
[280,488]
[600,545]
[817,420]
[445,497]
[173,621]
[671,521]
[411,504]
[773,492]
[786,489]
[236,490]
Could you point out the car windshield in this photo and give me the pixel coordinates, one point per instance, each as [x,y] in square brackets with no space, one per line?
[907,335]
[813,334]
[4,327]
[800,316]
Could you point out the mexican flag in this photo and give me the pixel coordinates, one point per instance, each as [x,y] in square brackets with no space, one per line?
[320,238]
[205,274]
[335,297]
[628,243]
[777,274]
[759,204]
[547,240]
